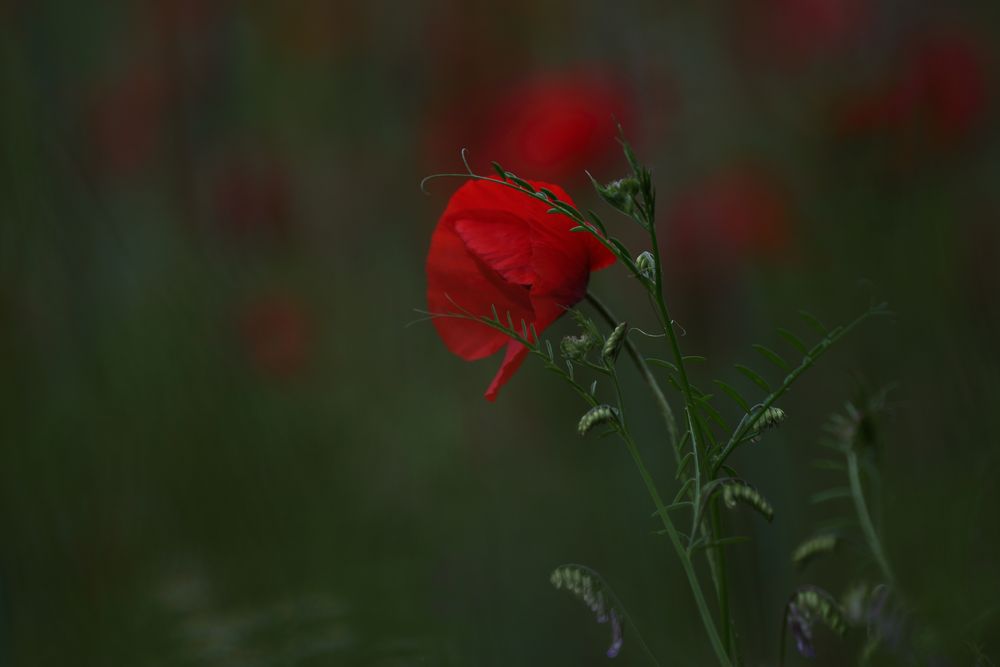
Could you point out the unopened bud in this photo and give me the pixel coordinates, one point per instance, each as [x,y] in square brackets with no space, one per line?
[618,193]
[771,418]
[646,264]
[575,348]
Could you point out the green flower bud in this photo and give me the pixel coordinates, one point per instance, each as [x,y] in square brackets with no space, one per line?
[599,414]
[576,348]
[613,345]
[646,264]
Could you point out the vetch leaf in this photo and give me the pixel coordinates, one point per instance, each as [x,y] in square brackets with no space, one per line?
[733,394]
[754,377]
[662,362]
[836,493]
[772,356]
[813,321]
[794,341]
[521,182]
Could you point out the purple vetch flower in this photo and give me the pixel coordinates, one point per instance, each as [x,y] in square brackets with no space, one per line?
[616,634]
[801,629]
[588,586]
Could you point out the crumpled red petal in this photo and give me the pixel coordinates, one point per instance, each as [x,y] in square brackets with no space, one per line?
[512,360]
[496,247]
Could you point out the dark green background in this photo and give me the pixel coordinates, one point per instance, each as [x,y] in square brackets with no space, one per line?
[165,500]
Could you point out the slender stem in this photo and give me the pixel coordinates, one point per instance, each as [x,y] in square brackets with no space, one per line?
[858,494]
[645,371]
[749,420]
[722,590]
[668,525]
[715,564]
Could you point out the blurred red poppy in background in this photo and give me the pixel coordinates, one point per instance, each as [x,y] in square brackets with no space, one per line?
[252,198]
[736,215]
[939,90]
[800,30]
[551,126]
[126,119]
[498,248]
[277,334]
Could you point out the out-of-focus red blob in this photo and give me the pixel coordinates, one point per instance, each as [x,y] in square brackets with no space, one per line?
[277,333]
[184,16]
[797,31]
[939,90]
[126,120]
[733,217]
[552,126]
[253,199]
[495,248]
[556,126]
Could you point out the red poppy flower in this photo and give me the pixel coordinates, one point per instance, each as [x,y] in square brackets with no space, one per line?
[496,247]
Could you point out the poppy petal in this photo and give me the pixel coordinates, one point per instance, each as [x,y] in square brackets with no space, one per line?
[501,240]
[512,360]
[457,280]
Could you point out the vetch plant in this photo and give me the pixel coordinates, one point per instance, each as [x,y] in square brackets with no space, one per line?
[508,257]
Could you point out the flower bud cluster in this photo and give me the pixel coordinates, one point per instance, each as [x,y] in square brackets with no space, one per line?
[599,414]
[619,193]
[576,348]
[769,419]
[582,585]
[613,345]
[741,492]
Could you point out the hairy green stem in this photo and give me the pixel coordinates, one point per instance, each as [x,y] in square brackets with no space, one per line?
[865,519]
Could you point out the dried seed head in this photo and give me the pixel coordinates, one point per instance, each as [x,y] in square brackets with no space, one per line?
[599,414]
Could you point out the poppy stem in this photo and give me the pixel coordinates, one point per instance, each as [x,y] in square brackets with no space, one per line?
[645,371]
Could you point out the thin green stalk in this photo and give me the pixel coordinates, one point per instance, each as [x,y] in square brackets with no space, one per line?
[667,322]
[720,559]
[748,422]
[668,525]
[864,518]
[645,371]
